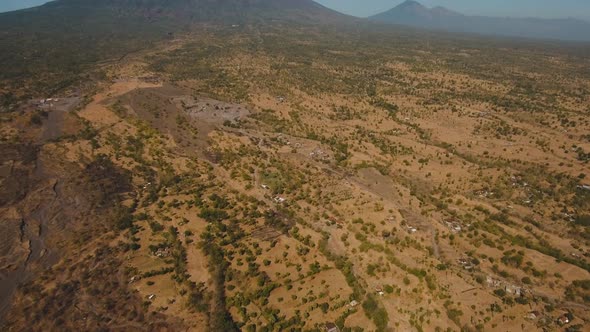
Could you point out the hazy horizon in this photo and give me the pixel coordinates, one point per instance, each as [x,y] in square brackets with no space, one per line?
[511,8]
[10,5]
[523,8]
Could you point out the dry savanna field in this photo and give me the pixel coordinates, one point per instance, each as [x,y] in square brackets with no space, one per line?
[280,178]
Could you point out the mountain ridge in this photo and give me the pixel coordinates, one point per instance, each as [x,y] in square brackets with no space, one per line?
[34,40]
[191,10]
[414,14]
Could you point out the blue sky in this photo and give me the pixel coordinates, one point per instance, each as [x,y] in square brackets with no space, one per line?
[7,5]
[518,8]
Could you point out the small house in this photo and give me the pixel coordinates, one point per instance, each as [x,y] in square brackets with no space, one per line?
[533,315]
[492,283]
[566,318]
[162,252]
[511,289]
[467,263]
[563,319]
[379,290]
[331,327]
[454,226]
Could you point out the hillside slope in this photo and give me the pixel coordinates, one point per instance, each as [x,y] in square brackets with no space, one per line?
[36,42]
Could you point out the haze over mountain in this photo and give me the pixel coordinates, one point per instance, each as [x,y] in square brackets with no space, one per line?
[409,13]
[498,8]
[412,13]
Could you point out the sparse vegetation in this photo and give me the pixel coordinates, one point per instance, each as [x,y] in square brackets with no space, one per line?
[275,176]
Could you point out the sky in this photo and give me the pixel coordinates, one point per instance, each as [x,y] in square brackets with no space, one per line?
[514,8]
[8,5]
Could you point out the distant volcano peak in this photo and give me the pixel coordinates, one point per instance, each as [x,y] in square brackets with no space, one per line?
[413,13]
